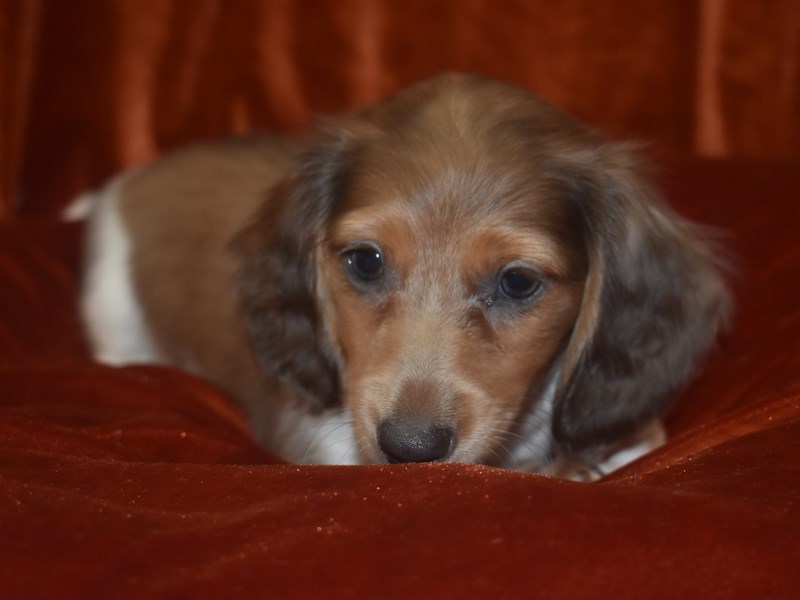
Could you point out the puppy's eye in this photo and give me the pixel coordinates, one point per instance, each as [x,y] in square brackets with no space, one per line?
[365,263]
[519,283]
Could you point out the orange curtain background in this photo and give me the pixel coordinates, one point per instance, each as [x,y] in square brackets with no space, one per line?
[90,86]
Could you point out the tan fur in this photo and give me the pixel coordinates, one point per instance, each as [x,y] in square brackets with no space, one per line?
[183,211]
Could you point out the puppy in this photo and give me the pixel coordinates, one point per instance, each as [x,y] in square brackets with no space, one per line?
[458,273]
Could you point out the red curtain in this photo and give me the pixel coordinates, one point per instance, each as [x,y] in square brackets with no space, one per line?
[90,87]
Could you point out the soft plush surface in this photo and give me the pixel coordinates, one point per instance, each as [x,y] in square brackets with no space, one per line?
[143,482]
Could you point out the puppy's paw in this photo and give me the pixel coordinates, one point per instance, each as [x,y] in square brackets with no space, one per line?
[593,468]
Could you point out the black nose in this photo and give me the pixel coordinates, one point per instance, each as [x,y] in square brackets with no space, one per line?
[414,440]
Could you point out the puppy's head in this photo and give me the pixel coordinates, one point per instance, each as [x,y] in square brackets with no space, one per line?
[443,261]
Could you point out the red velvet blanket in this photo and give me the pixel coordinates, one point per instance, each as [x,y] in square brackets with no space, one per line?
[143,482]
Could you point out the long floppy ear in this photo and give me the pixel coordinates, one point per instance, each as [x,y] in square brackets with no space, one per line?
[277,272]
[653,303]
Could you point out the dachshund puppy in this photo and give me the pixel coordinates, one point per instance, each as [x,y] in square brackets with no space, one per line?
[458,273]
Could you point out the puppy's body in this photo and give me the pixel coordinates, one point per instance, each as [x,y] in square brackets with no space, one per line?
[444,276]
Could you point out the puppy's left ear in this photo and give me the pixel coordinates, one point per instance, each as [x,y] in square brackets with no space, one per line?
[277,255]
[654,300]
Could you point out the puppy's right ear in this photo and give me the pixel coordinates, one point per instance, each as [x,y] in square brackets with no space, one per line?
[277,272]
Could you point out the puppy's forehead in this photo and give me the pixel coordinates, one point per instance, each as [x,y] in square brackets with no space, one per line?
[435,180]
[460,159]
[444,175]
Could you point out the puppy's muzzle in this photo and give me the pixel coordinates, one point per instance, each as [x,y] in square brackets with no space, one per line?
[415,440]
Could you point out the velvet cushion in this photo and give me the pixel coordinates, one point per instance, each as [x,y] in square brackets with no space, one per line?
[143,481]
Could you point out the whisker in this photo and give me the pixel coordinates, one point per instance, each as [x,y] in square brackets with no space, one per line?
[500,461]
[497,441]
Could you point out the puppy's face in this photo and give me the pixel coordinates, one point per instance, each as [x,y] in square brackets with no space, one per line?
[451,282]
